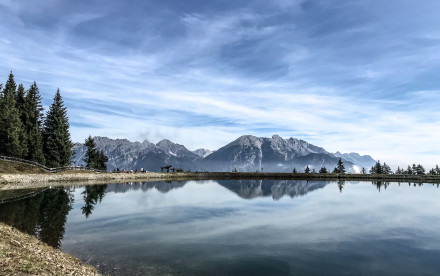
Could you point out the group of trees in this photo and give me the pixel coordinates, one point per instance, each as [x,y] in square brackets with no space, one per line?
[410,170]
[418,170]
[380,169]
[94,158]
[340,168]
[24,130]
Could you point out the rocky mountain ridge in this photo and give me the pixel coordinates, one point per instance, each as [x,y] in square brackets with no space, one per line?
[247,153]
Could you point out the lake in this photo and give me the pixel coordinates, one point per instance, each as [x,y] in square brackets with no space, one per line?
[241,227]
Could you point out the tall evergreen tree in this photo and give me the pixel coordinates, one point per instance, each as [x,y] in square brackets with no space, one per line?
[90,156]
[409,170]
[10,123]
[420,170]
[341,167]
[386,169]
[20,105]
[32,123]
[94,158]
[19,100]
[56,136]
[307,170]
[102,160]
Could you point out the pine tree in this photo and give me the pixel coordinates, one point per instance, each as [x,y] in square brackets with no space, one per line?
[56,137]
[378,168]
[33,124]
[101,161]
[340,167]
[19,101]
[294,170]
[323,170]
[89,157]
[386,169]
[307,170]
[10,124]
[20,105]
[363,171]
[420,170]
[437,170]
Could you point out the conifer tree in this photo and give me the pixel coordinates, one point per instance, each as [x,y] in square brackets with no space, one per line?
[20,105]
[56,137]
[19,100]
[94,158]
[420,170]
[378,168]
[340,167]
[307,170]
[386,169]
[90,155]
[102,159]
[32,123]
[323,170]
[10,123]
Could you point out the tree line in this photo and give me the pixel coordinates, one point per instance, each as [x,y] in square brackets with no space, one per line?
[410,170]
[27,133]
[340,168]
[379,168]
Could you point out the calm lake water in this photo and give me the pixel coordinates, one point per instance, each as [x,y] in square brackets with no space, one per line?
[240,227]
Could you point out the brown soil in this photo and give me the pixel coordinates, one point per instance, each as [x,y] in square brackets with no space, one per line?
[22,254]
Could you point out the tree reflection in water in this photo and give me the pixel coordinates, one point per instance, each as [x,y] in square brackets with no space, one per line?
[43,215]
[341,184]
[92,195]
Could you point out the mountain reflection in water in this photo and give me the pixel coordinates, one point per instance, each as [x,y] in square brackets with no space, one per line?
[241,227]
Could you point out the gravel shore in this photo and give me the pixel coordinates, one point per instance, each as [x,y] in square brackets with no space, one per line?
[18,181]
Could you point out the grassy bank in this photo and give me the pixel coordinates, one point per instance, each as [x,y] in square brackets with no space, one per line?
[19,168]
[22,254]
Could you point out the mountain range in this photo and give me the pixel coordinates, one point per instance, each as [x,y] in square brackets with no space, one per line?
[247,153]
[246,189]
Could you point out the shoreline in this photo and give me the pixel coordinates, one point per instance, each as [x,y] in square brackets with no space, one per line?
[23,254]
[19,181]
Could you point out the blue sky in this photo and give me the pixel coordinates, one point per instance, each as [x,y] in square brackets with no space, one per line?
[354,75]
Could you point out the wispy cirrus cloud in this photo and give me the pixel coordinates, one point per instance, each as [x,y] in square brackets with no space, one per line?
[347,75]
